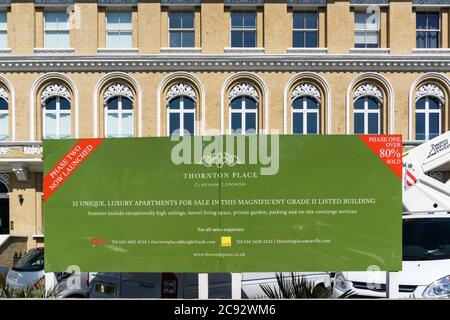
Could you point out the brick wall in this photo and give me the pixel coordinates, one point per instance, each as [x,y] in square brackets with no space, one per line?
[12,250]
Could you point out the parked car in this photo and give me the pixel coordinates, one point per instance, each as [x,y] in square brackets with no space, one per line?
[426,262]
[183,285]
[29,269]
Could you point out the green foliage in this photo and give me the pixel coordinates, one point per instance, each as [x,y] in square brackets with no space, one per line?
[297,287]
[36,291]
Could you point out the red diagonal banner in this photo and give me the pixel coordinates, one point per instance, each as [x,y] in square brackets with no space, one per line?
[388,147]
[68,164]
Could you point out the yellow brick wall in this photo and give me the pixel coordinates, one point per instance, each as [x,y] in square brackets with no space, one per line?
[21,34]
[88,24]
[402,27]
[212,27]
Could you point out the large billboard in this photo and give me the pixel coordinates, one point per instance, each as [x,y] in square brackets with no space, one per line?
[223,203]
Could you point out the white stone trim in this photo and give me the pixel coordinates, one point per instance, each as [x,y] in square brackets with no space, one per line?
[243,89]
[429,51]
[428,77]
[286,100]
[243,51]
[307,51]
[306,89]
[179,76]
[54,51]
[169,50]
[117,76]
[11,104]
[117,89]
[33,95]
[5,51]
[367,77]
[243,75]
[226,62]
[430,89]
[117,51]
[367,89]
[370,51]
[4,93]
[32,149]
[180,89]
[53,90]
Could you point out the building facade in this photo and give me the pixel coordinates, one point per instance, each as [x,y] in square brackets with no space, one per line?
[131,68]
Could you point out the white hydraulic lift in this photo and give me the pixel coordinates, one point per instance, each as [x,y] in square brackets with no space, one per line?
[426,176]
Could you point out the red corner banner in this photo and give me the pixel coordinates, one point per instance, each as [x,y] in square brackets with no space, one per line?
[68,164]
[388,148]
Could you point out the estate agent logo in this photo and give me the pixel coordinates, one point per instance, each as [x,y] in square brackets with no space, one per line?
[438,147]
[220,159]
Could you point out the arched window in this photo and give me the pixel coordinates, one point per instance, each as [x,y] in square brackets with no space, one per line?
[118,101]
[4,115]
[181,107]
[243,109]
[55,101]
[305,109]
[429,104]
[367,107]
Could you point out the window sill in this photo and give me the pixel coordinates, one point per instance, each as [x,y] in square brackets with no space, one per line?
[54,51]
[244,50]
[382,51]
[5,51]
[307,50]
[426,51]
[117,51]
[181,50]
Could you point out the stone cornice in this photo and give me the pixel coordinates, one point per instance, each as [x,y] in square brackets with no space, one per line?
[225,62]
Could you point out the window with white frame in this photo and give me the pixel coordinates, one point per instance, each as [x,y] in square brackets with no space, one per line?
[243,29]
[55,100]
[305,29]
[4,115]
[428,28]
[367,105]
[119,29]
[3,30]
[181,29]
[305,109]
[366,29]
[243,115]
[181,116]
[118,100]
[56,33]
[429,104]
[181,107]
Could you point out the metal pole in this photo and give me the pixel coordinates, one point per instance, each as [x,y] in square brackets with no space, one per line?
[236,285]
[392,285]
[203,286]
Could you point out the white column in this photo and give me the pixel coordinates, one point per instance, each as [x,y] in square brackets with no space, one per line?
[392,285]
[236,285]
[203,286]
[50,281]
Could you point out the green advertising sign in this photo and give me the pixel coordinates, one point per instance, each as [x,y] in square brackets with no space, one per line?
[223,203]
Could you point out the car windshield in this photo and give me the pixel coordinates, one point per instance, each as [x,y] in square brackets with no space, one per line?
[32,261]
[426,239]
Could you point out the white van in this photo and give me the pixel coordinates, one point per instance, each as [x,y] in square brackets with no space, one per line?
[184,285]
[426,262]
